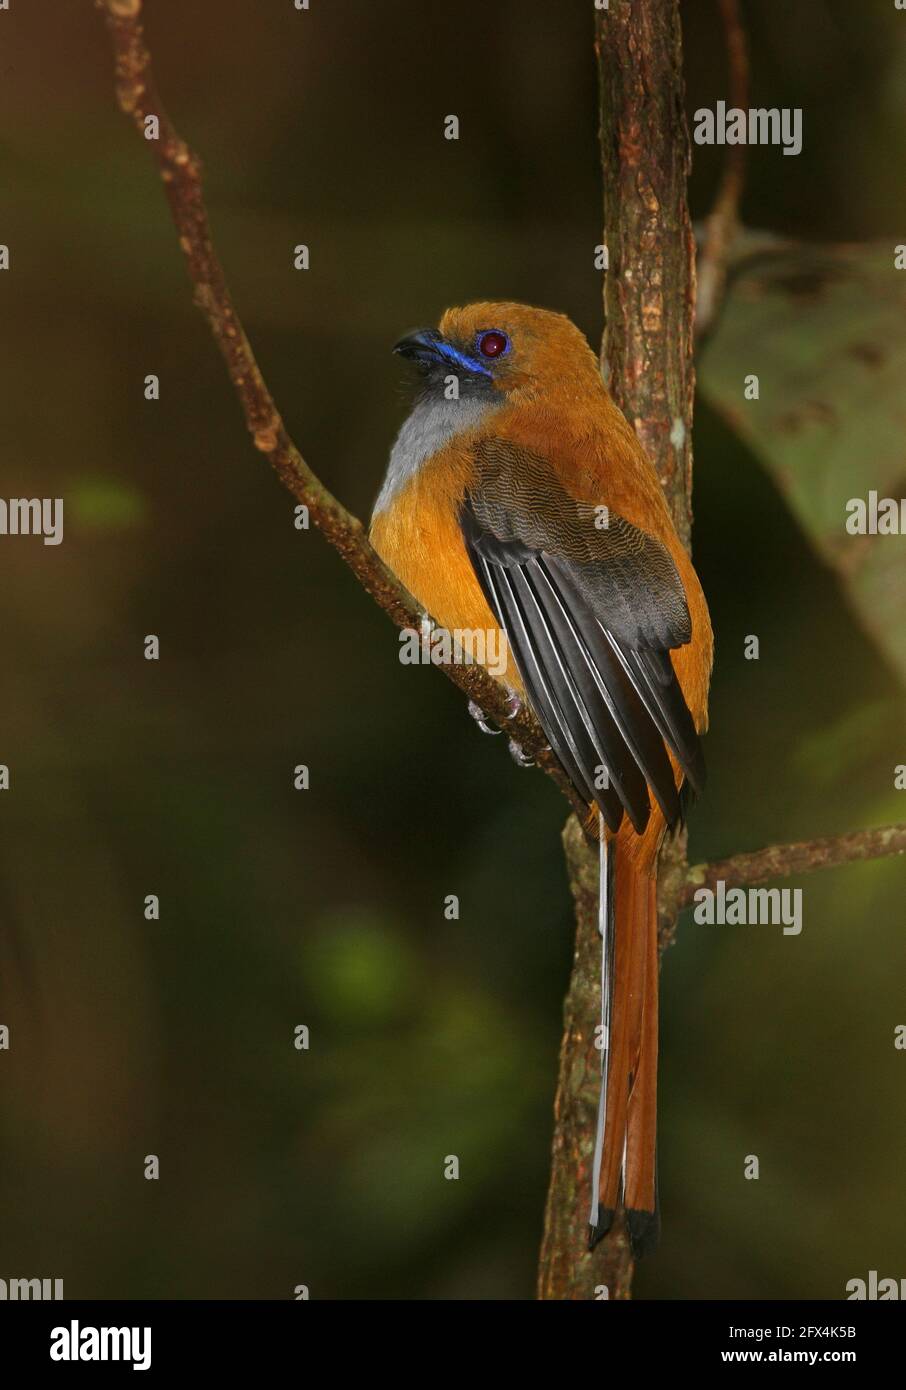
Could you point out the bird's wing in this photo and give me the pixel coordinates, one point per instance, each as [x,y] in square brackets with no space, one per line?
[591,606]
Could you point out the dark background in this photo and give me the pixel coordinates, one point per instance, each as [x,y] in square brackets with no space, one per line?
[325,907]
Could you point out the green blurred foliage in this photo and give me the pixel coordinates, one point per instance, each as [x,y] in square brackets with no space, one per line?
[428,1036]
[822,330]
[105,502]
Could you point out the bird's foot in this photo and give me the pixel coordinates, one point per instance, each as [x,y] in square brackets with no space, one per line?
[519,758]
[511,709]
[481,719]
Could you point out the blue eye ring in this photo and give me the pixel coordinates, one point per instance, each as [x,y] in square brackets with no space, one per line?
[492,342]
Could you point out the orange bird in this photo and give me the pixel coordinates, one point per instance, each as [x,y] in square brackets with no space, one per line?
[518,499]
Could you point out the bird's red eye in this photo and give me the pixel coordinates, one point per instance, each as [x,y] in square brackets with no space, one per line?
[493,344]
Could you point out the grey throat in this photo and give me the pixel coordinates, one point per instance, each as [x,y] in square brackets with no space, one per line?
[432,423]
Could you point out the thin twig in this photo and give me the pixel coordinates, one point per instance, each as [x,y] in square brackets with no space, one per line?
[180,171]
[723,221]
[780,861]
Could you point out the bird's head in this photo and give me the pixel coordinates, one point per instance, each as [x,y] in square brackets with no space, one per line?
[511,349]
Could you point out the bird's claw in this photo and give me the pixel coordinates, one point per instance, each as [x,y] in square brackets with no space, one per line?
[511,709]
[519,758]
[481,719]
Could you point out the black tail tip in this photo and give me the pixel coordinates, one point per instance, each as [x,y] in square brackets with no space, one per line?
[644,1231]
[597,1233]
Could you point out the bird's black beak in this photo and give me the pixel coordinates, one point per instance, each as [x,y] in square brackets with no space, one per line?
[420,346]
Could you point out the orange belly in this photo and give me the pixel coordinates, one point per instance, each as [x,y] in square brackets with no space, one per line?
[418,535]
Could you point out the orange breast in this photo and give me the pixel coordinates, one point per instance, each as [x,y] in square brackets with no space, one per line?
[418,535]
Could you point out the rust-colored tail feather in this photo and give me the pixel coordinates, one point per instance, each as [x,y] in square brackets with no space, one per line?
[640,1196]
[628,1168]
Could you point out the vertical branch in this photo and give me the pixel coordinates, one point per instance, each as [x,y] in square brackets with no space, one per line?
[647,363]
[568,1269]
[649,291]
[723,220]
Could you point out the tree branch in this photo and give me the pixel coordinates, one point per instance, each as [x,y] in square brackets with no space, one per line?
[723,221]
[180,171]
[649,291]
[780,861]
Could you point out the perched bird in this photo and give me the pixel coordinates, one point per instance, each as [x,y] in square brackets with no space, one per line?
[518,497]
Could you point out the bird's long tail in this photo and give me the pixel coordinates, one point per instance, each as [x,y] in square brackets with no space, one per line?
[625,1163]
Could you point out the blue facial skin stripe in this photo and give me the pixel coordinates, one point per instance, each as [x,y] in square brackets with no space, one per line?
[459,359]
